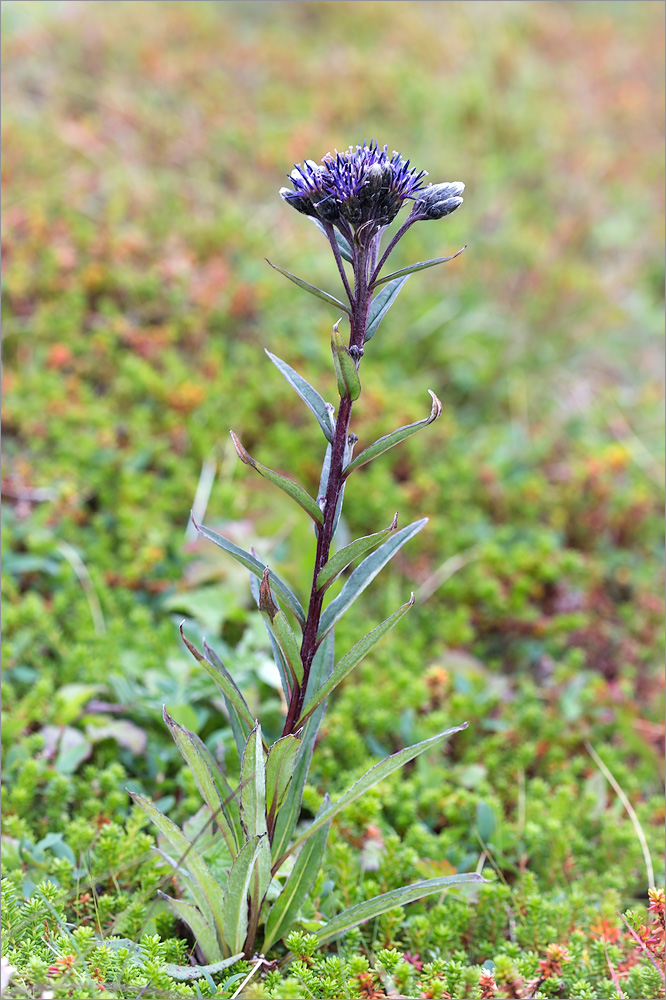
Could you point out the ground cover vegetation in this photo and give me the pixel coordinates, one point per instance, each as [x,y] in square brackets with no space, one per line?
[144,145]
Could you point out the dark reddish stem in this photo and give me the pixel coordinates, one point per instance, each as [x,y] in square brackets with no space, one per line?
[359,320]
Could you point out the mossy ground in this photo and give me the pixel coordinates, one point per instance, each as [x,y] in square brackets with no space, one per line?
[143,147]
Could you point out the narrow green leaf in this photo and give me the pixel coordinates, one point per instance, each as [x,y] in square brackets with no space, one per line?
[297,887]
[381,304]
[292,489]
[290,810]
[204,934]
[343,246]
[365,573]
[335,565]
[352,658]
[253,816]
[181,972]
[229,795]
[383,444]
[286,640]
[213,666]
[203,779]
[367,781]
[192,860]
[279,770]
[185,972]
[319,292]
[310,396]
[416,267]
[234,904]
[241,725]
[256,567]
[355,915]
[253,786]
[278,656]
[349,384]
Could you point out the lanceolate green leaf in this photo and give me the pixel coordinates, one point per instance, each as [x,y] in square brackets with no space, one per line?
[352,658]
[383,444]
[234,904]
[343,246]
[278,655]
[344,557]
[288,486]
[290,810]
[256,567]
[189,857]
[253,816]
[358,914]
[213,666]
[297,887]
[279,770]
[286,640]
[319,292]
[367,781]
[416,267]
[229,795]
[381,304]
[253,786]
[180,972]
[185,972]
[310,396]
[203,932]
[204,781]
[365,574]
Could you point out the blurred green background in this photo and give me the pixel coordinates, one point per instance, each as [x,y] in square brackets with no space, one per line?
[144,146]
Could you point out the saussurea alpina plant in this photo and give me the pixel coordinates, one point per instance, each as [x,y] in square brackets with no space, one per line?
[249,870]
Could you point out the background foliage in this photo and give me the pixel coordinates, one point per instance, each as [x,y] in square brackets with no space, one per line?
[144,145]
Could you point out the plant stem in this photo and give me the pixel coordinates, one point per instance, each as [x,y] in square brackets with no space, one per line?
[359,319]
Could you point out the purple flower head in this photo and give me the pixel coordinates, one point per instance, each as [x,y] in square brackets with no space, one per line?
[363,186]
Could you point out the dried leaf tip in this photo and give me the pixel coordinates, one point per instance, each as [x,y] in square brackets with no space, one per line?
[436,410]
[266,602]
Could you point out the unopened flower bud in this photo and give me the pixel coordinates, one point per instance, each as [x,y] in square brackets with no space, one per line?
[439,200]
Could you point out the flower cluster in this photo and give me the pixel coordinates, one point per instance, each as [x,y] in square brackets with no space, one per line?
[364,186]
